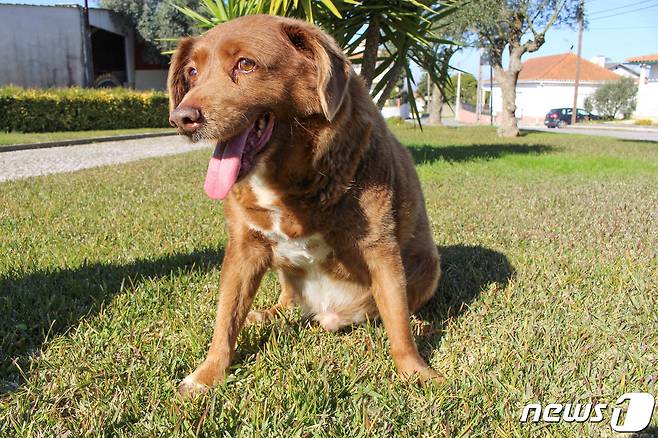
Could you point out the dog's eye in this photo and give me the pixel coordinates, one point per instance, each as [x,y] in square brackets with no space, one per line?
[246,65]
[191,72]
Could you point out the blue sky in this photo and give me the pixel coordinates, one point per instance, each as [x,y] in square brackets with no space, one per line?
[617,29]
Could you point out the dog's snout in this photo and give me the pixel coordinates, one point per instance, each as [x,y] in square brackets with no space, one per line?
[186,118]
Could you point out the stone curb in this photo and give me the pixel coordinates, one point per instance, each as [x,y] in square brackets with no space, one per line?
[54,144]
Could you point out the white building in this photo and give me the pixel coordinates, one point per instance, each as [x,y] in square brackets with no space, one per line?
[647,93]
[620,68]
[50,46]
[548,82]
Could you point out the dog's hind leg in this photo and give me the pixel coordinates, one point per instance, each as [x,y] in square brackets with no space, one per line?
[286,301]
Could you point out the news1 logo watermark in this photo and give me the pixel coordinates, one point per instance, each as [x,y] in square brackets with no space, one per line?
[639,410]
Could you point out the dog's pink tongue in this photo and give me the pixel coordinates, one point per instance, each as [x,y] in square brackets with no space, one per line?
[224,170]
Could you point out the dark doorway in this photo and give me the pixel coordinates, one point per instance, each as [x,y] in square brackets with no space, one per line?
[109,56]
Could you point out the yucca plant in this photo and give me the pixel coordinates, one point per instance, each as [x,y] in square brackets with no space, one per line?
[213,12]
[384,36]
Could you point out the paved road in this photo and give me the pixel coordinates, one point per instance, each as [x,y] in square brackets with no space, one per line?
[617,133]
[35,162]
[629,134]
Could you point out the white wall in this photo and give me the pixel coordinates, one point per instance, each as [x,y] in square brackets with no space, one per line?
[40,46]
[647,102]
[534,99]
[151,79]
[653,72]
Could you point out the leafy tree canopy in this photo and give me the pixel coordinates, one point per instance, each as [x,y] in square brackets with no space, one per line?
[157,22]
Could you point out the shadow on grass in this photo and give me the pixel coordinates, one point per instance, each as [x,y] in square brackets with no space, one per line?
[427,154]
[465,272]
[649,432]
[44,304]
[630,140]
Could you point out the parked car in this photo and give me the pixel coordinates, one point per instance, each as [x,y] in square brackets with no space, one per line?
[558,117]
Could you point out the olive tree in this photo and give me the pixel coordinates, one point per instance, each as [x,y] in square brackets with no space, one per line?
[515,28]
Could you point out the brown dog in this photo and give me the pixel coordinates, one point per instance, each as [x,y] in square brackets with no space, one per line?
[315,185]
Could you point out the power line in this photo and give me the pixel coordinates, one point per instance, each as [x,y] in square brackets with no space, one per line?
[603,11]
[624,12]
[623,27]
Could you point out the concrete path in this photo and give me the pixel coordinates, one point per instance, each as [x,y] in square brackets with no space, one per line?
[23,164]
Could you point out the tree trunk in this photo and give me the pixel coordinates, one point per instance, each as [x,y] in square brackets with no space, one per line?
[397,71]
[438,99]
[508,126]
[436,106]
[369,62]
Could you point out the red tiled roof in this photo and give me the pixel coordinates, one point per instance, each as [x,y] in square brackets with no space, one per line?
[644,59]
[563,68]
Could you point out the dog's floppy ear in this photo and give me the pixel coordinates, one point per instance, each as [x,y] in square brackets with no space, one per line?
[333,68]
[176,84]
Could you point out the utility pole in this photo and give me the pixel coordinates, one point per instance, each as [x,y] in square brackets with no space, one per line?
[581,20]
[458,95]
[490,93]
[87,57]
[478,104]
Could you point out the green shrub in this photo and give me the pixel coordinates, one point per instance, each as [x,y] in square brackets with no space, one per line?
[614,98]
[643,122]
[79,109]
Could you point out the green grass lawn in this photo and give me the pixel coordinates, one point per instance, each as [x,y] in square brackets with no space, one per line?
[108,279]
[9,138]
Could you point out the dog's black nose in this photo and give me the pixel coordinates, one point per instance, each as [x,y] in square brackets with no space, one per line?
[186,118]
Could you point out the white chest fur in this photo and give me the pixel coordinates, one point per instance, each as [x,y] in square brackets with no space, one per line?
[306,252]
[319,294]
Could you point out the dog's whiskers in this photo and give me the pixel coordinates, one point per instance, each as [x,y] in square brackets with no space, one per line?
[301,125]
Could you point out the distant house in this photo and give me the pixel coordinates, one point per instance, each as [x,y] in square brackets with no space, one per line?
[51,46]
[548,82]
[647,94]
[621,69]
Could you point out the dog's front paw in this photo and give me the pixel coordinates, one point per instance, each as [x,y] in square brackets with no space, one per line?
[255,316]
[423,375]
[190,388]
[428,375]
[416,369]
[207,374]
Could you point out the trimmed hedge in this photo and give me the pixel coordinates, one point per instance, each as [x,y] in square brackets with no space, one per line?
[81,109]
